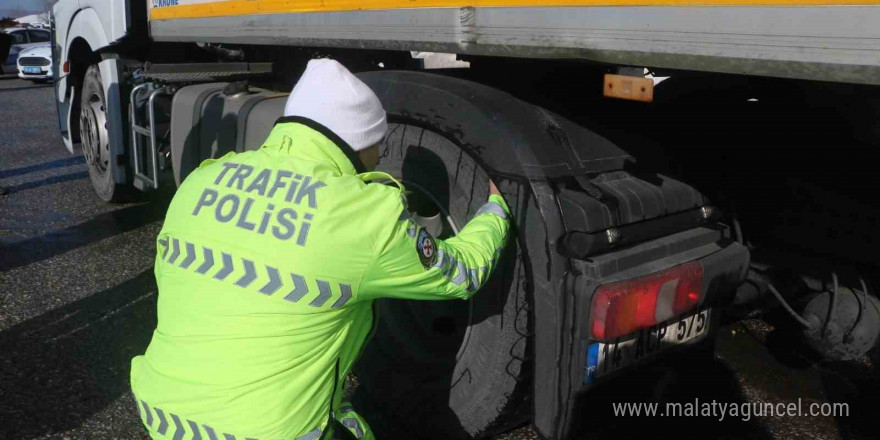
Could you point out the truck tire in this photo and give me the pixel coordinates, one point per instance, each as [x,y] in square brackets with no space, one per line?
[447,369]
[95,138]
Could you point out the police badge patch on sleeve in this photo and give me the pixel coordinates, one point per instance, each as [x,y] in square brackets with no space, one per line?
[426,248]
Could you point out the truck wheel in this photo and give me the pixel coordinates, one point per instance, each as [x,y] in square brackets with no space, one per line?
[446,369]
[95,137]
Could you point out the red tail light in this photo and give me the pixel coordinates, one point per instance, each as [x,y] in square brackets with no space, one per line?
[65,67]
[622,308]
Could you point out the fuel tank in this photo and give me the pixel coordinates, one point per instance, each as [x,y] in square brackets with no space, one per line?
[210,120]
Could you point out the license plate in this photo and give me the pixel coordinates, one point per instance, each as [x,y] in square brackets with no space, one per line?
[606,358]
[32,70]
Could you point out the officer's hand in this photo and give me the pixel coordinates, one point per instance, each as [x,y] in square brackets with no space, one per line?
[493,189]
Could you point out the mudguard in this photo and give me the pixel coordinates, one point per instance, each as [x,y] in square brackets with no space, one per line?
[507,135]
[111,77]
[547,153]
[86,24]
[99,22]
[513,139]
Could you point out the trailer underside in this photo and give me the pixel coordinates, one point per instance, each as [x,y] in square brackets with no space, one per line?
[826,43]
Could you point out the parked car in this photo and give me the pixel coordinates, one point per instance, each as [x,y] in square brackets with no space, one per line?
[35,63]
[23,38]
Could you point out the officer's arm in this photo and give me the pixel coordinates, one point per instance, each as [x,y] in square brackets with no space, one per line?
[411,264]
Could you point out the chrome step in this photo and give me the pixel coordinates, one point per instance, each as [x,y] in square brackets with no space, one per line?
[196,72]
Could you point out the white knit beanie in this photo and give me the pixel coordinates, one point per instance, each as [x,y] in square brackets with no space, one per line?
[330,95]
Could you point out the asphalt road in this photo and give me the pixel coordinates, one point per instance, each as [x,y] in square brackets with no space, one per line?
[78,296]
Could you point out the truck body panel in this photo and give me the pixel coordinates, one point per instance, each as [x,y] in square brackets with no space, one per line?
[829,41]
[100,22]
[115,17]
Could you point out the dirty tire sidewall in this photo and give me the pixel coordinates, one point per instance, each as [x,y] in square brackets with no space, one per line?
[102,182]
[478,383]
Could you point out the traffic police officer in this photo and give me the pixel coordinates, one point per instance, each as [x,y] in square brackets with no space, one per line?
[268,265]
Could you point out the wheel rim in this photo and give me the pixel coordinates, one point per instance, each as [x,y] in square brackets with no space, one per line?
[93,133]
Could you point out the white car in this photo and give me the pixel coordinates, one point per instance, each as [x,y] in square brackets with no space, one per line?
[35,63]
[23,38]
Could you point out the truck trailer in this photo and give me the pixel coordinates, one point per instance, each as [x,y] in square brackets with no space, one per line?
[641,218]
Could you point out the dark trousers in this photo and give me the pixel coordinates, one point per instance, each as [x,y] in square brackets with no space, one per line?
[341,432]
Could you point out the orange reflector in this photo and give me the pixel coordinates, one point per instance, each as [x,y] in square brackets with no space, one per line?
[66,67]
[624,307]
[632,88]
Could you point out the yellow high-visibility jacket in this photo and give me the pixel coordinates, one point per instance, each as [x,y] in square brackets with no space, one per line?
[268,265]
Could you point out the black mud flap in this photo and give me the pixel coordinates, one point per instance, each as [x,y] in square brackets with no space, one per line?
[518,141]
[115,93]
[724,265]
